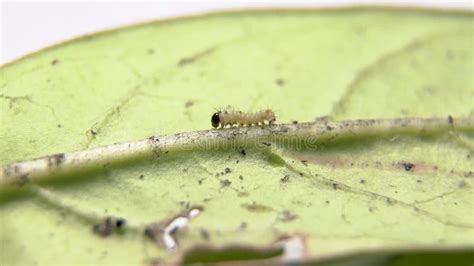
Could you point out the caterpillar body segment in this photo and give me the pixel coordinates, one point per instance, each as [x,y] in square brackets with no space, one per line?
[232,117]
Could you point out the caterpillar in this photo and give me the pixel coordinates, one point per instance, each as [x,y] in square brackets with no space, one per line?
[231,117]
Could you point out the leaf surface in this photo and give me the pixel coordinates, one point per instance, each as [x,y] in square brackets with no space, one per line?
[165,77]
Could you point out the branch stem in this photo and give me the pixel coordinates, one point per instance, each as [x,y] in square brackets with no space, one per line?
[34,170]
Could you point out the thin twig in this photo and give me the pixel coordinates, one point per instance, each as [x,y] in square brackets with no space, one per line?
[32,170]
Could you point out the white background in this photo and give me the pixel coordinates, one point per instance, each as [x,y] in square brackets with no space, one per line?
[27,26]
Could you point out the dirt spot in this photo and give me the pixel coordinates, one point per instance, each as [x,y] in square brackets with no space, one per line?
[469,174]
[242,194]
[204,234]
[286,216]
[227,170]
[389,201]
[267,144]
[280,82]
[407,166]
[451,120]
[285,179]
[243,152]
[188,104]
[462,184]
[258,208]
[54,62]
[191,59]
[107,226]
[55,160]
[150,51]
[225,183]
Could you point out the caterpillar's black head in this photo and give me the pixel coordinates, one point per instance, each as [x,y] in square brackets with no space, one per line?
[215,120]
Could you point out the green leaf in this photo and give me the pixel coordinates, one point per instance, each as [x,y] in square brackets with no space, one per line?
[370,193]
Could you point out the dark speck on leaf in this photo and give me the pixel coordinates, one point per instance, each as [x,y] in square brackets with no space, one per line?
[408,166]
[286,216]
[150,51]
[334,186]
[225,183]
[54,62]
[102,230]
[242,151]
[141,176]
[450,120]
[120,222]
[285,178]
[204,234]
[418,181]
[294,122]
[280,82]
[227,170]
[59,125]
[241,177]
[362,181]
[56,159]
[105,228]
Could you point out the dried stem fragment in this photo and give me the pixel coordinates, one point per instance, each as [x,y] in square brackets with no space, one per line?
[23,172]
